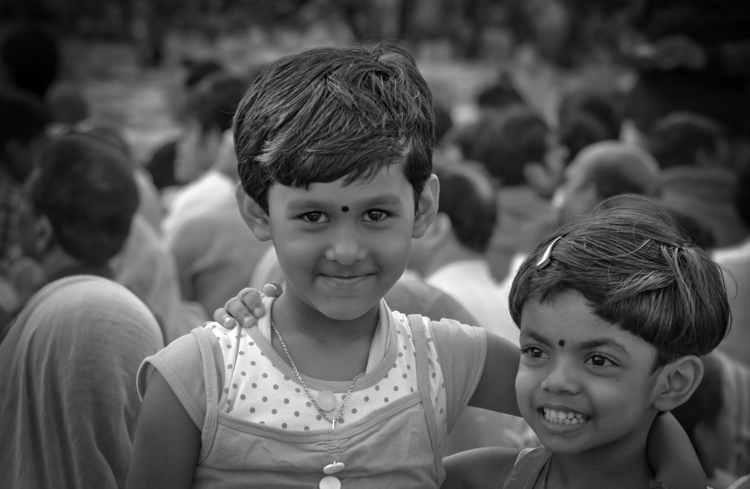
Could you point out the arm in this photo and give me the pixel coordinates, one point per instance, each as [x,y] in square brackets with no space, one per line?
[496,390]
[482,468]
[167,442]
[672,457]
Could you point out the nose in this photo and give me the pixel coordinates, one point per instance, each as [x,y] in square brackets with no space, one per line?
[561,378]
[346,248]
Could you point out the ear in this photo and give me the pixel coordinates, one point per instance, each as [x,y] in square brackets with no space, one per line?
[428,207]
[253,214]
[677,382]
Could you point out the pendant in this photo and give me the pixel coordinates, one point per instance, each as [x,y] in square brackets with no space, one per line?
[327,401]
[330,482]
[333,468]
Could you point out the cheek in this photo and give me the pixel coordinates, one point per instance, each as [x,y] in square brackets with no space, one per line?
[526,381]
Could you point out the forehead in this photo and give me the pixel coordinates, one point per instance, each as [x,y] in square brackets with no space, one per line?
[567,317]
[387,183]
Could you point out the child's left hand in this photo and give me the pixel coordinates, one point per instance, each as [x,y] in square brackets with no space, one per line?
[246,306]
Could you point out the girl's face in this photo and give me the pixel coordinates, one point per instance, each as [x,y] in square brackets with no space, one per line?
[583,383]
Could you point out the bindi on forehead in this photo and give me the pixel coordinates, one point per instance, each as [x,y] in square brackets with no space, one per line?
[561,342]
[345,208]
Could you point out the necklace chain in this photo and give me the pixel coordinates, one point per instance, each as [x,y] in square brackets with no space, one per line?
[304,386]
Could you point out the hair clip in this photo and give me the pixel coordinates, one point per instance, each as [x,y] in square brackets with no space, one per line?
[544,261]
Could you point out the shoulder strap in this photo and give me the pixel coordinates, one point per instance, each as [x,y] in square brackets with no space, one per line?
[528,467]
[416,325]
[211,380]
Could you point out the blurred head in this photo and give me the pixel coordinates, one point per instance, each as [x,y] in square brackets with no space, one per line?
[596,106]
[466,217]
[29,58]
[22,132]
[507,141]
[84,198]
[209,112]
[330,113]
[500,95]
[686,139]
[67,105]
[603,170]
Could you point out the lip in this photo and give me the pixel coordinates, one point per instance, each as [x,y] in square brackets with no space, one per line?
[346,280]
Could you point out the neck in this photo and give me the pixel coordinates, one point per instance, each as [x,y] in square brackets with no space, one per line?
[450,252]
[608,466]
[58,264]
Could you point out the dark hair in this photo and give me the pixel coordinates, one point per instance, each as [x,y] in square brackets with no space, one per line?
[29,54]
[213,101]
[443,121]
[330,113]
[581,130]
[594,104]
[197,70]
[24,117]
[469,200]
[87,191]
[676,138]
[635,270]
[506,141]
[501,94]
[704,406]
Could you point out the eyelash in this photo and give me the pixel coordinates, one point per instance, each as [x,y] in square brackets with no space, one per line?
[604,357]
[528,349]
[384,215]
[531,350]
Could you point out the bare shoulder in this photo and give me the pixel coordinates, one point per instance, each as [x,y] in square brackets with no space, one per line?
[482,468]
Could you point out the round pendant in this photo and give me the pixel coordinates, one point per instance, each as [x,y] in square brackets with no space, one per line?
[333,468]
[330,482]
[327,401]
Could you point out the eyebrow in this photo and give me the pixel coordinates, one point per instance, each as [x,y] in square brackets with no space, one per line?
[384,200]
[585,345]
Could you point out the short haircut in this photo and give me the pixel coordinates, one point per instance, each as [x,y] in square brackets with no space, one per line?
[508,140]
[330,113]
[29,54]
[197,70]
[469,200]
[213,101]
[581,130]
[596,104]
[634,270]
[501,94]
[705,405]
[24,117]
[677,138]
[87,191]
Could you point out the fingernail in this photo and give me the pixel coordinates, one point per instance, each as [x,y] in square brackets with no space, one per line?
[229,322]
[248,322]
[258,312]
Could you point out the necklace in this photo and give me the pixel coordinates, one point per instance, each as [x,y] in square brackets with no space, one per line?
[546,473]
[304,386]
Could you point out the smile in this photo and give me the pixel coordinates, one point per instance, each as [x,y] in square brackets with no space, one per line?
[564,417]
[349,281]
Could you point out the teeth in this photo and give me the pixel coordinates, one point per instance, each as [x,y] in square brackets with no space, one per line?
[563,417]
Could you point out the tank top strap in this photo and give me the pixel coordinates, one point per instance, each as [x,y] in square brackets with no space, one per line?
[416,324]
[529,466]
[211,380]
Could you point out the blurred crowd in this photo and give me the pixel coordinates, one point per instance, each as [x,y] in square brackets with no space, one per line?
[74,201]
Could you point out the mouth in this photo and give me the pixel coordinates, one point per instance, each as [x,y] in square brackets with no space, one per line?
[560,417]
[347,280]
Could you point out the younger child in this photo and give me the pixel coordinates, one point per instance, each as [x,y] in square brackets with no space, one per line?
[614,312]
[334,150]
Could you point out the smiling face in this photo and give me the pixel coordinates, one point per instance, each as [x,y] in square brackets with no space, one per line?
[342,246]
[584,383]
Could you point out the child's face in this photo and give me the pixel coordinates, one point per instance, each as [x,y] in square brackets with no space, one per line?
[577,366]
[342,247]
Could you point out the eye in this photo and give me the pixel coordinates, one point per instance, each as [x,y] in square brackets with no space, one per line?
[598,360]
[532,352]
[313,217]
[376,215]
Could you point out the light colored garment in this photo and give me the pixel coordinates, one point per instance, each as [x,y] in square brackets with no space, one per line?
[208,191]
[149,203]
[68,366]
[214,250]
[735,263]
[736,378]
[395,424]
[146,267]
[472,285]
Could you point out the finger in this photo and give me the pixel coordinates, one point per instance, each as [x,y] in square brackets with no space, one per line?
[272,289]
[252,301]
[240,312]
[224,319]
